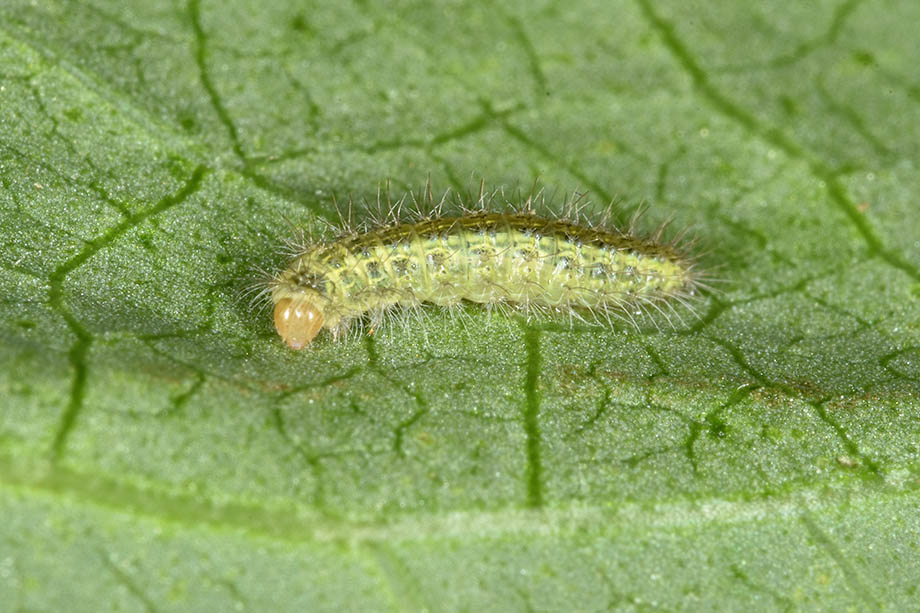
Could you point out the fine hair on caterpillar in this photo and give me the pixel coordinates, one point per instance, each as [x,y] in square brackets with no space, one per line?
[524,256]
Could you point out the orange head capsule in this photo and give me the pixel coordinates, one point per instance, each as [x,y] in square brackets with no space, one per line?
[297,322]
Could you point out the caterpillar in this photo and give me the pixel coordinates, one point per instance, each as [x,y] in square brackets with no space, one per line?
[557,265]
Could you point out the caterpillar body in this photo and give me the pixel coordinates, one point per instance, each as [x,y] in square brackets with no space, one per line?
[515,259]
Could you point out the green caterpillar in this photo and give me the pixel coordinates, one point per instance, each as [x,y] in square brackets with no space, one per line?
[519,260]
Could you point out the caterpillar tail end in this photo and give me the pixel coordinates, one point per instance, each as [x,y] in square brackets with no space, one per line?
[297,321]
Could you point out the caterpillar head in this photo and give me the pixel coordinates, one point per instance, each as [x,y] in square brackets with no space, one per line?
[298,321]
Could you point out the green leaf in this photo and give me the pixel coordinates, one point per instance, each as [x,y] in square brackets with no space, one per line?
[161,449]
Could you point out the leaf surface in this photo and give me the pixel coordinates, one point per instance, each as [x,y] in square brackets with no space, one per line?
[161,450]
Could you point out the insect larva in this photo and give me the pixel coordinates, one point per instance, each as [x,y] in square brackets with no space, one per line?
[514,259]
